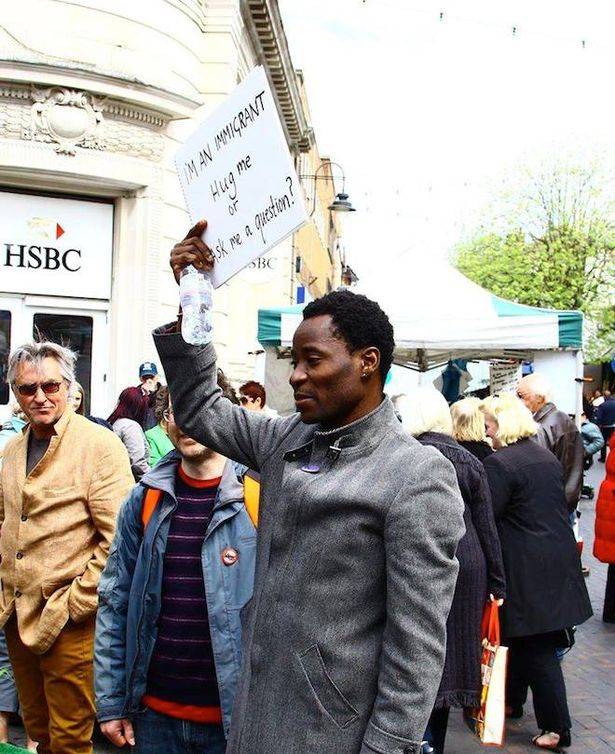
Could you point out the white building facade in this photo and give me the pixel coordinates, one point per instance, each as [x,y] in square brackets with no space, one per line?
[95,97]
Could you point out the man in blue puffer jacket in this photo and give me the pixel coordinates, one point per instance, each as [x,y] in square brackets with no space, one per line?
[168,630]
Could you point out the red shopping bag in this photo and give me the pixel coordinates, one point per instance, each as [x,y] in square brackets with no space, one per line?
[491,716]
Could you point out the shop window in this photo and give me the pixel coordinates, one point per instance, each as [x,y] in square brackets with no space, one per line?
[75,333]
[5,350]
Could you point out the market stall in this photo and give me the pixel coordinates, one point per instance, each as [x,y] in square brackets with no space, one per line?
[441,315]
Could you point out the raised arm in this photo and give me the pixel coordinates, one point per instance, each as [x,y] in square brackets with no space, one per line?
[200,409]
[422,530]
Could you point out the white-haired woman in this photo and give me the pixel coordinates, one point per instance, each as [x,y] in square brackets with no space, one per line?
[469,427]
[425,415]
[546,591]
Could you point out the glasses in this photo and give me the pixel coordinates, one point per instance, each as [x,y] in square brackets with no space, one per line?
[244,400]
[167,415]
[49,388]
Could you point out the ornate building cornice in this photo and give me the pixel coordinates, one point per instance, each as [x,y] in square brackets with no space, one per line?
[71,118]
[262,19]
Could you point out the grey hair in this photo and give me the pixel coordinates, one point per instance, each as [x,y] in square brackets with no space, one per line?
[34,353]
[537,384]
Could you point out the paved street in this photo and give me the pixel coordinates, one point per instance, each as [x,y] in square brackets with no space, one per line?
[589,669]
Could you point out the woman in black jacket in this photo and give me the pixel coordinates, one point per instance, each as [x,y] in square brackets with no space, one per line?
[546,592]
[425,414]
[469,427]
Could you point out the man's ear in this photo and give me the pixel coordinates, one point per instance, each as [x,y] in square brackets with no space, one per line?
[370,361]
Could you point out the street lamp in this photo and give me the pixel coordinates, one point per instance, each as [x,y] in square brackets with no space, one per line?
[341,202]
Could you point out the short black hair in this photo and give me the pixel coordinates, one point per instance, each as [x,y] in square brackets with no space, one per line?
[359,321]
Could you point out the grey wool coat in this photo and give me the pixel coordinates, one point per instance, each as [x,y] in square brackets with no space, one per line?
[344,638]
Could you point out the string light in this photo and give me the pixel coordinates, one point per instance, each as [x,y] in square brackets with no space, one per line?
[444,16]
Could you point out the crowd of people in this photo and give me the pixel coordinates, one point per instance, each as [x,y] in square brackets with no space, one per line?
[203,575]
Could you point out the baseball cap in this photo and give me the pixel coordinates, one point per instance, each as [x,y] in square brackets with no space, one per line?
[148,369]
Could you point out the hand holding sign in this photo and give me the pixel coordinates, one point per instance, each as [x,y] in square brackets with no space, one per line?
[192,250]
[236,171]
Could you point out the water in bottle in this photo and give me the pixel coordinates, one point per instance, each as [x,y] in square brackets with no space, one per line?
[196,297]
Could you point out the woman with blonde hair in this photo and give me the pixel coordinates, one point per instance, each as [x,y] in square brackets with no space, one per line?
[469,427]
[546,592]
[426,416]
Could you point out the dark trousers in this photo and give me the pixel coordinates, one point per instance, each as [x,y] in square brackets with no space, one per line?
[532,662]
[606,433]
[608,612]
[435,734]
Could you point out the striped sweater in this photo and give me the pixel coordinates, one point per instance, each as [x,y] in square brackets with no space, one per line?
[182,667]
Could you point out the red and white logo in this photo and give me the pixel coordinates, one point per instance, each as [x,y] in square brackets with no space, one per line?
[45,228]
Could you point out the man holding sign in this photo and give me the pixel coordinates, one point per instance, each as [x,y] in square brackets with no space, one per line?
[344,636]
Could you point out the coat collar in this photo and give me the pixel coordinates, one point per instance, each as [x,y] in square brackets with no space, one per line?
[59,428]
[164,475]
[544,411]
[437,438]
[363,432]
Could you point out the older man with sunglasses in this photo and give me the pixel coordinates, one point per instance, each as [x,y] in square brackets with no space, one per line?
[62,482]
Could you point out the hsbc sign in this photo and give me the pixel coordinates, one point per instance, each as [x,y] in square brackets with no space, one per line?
[55,247]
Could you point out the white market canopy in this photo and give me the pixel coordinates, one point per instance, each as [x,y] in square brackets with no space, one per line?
[439,314]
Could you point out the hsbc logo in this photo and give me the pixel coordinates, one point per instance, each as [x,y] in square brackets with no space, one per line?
[46,254]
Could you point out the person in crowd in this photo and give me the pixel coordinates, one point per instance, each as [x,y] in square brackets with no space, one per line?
[597,399]
[469,427]
[179,659]
[12,426]
[78,399]
[252,396]
[354,512]
[529,500]
[426,415]
[592,443]
[78,403]
[591,436]
[62,482]
[605,419]
[126,420]
[149,385]
[556,432]
[604,541]
[157,437]
[9,703]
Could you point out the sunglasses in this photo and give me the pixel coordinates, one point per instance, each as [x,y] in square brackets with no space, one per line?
[244,400]
[49,388]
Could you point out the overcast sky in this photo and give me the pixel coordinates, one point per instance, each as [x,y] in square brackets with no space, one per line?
[428,117]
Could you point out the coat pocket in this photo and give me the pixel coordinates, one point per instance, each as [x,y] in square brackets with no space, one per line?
[326,692]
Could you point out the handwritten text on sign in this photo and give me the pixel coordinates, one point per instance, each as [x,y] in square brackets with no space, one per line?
[237,173]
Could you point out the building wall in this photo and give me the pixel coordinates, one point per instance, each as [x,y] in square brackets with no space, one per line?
[95,97]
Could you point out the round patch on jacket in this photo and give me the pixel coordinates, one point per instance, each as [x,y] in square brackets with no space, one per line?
[229,556]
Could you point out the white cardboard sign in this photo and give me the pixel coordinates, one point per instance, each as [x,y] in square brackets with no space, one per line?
[236,172]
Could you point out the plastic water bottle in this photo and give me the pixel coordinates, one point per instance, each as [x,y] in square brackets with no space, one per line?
[196,297]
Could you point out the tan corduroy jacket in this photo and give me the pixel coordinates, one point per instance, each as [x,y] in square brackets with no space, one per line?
[57,526]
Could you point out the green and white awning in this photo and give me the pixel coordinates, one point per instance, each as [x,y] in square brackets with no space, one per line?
[448,317]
